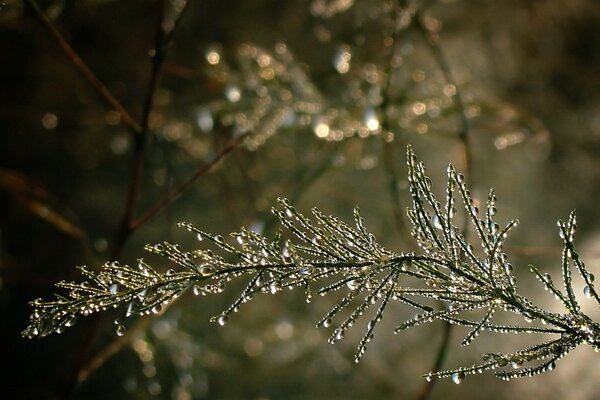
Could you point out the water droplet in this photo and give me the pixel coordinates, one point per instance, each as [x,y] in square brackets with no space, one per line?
[156,309]
[458,377]
[197,290]
[516,363]
[71,321]
[120,330]
[113,289]
[199,237]
[352,284]
[206,270]
[274,287]
[587,292]
[327,323]
[590,277]
[222,320]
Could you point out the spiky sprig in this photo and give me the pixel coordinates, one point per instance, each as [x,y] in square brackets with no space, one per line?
[329,256]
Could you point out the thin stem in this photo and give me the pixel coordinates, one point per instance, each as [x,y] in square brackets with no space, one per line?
[433,42]
[388,146]
[83,68]
[162,39]
[174,194]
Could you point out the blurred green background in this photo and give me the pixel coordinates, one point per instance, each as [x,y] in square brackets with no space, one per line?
[315,84]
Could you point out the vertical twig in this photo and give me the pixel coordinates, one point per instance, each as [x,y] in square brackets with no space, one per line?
[162,39]
[388,146]
[433,42]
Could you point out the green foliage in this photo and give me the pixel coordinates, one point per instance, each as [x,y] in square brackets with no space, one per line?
[473,283]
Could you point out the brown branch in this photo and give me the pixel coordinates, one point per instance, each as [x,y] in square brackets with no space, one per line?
[162,40]
[433,42]
[82,67]
[175,193]
[111,349]
[388,146]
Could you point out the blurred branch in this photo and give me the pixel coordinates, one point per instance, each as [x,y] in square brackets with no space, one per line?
[388,146]
[163,37]
[83,68]
[433,42]
[174,194]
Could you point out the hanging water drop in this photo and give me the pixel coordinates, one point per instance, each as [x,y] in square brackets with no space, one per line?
[71,321]
[120,330]
[458,377]
[222,320]
[197,289]
[587,292]
[156,309]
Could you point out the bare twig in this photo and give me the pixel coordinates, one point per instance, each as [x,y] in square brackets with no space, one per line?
[82,67]
[388,146]
[162,40]
[174,194]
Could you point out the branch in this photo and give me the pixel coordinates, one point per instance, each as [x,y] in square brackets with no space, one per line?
[175,193]
[82,67]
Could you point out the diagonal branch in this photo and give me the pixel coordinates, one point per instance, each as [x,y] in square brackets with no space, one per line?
[83,68]
[175,193]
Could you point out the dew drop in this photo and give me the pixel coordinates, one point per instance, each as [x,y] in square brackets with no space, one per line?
[120,330]
[458,377]
[327,323]
[352,284]
[206,270]
[71,321]
[587,292]
[113,289]
[156,309]
[218,239]
[199,237]
[435,220]
[222,320]
[197,290]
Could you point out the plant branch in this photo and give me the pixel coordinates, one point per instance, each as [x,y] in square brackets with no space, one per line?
[175,193]
[433,42]
[83,68]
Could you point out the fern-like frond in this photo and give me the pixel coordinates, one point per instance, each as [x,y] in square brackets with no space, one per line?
[325,255]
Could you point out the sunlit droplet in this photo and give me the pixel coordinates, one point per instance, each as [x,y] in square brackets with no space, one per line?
[458,377]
